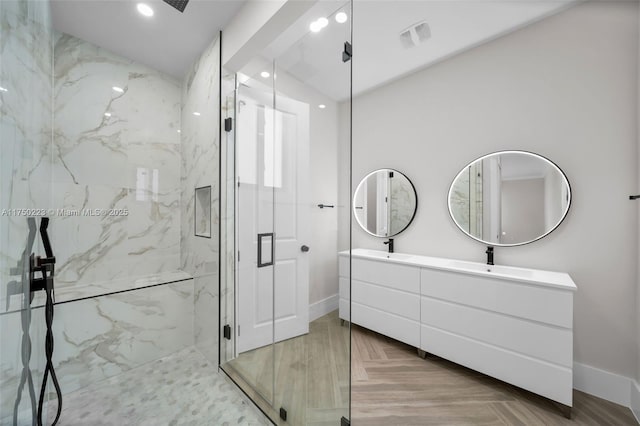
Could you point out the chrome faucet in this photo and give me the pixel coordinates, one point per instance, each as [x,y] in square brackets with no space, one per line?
[489,253]
[390,243]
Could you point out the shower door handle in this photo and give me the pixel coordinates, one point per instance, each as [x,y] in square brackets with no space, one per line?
[267,241]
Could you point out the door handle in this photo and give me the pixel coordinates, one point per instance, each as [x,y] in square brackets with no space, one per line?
[304,249]
[261,237]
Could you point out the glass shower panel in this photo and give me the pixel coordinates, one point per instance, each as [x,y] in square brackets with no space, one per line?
[287,161]
[312,370]
[25,189]
[227,210]
[252,357]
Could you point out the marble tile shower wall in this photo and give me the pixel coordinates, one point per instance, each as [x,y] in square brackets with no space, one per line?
[121,331]
[200,167]
[25,135]
[117,149]
[25,122]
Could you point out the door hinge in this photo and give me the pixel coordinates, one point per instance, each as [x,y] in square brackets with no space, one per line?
[344,421]
[228,124]
[347,52]
[227,332]
[238,255]
[238,331]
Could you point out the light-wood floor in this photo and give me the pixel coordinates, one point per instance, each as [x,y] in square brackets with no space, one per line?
[311,374]
[391,385]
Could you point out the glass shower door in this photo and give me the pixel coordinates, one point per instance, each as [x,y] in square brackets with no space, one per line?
[312,370]
[286,167]
[252,357]
[25,188]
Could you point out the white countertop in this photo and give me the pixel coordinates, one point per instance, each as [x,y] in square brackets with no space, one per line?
[534,276]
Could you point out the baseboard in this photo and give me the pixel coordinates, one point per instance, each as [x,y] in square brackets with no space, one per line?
[323,307]
[635,399]
[603,384]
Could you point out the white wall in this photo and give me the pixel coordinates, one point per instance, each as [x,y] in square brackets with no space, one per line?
[566,88]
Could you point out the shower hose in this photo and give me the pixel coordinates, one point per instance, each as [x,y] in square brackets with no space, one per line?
[46,267]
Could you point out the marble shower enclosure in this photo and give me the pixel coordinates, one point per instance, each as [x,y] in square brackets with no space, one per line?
[200,168]
[121,181]
[25,135]
[116,151]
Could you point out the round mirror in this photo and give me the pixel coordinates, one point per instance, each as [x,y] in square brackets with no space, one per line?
[385,203]
[509,198]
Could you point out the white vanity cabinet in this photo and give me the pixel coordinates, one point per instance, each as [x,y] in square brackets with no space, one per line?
[511,330]
[385,297]
[513,324]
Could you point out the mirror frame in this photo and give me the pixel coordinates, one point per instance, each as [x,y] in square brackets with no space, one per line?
[529,153]
[353,203]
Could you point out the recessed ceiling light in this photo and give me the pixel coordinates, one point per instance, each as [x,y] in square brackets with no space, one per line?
[322,106]
[341,17]
[118,89]
[196,113]
[107,114]
[179,131]
[315,27]
[2,89]
[145,10]
[323,22]
[264,74]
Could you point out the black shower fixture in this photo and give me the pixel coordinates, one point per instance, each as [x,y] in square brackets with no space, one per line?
[177,4]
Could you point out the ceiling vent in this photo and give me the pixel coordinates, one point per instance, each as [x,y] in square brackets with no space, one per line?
[177,4]
[415,35]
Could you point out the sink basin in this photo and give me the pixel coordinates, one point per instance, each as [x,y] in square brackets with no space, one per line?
[495,269]
[382,254]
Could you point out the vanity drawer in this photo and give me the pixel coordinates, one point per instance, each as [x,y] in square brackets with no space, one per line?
[396,302]
[343,288]
[536,340]
[344,309]
[399,277]
[552,381]
[399,328]
[533,302]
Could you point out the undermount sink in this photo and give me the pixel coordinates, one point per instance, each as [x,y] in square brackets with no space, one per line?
[384,255]
[495,269]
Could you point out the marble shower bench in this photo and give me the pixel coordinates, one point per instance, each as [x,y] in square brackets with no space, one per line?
[103,329]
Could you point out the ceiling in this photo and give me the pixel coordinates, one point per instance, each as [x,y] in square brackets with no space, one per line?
[379,55]
[169,41]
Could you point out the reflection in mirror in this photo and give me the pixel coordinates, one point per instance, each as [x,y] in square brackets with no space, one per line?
[509,198]
[385,203]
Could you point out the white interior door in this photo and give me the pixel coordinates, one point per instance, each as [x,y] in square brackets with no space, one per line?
[292,218]
[273,175]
